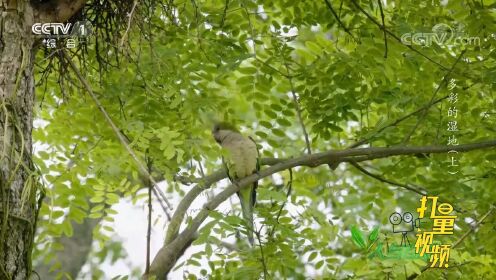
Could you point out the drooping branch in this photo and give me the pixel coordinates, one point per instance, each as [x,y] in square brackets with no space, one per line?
[340,23]
[444,81]
[57,11]
[383,28]
[371,18]
[122,139]
[413,188]
[168,255]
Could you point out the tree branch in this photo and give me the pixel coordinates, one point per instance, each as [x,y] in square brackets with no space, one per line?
[298,110]
[156,190]
[56,11]
[340,23]
[170,252]
[416,189]
[395,36]
[185,203]
[424,112]
[383,29]
[128,23]
[394,123]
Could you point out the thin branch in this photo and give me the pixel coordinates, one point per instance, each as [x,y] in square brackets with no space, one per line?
[224,14]
[424,112]
[300,119]
[156,190]
[168,254]
[383,29]
[128,23]
[472,228]
[271,67]
[289,186]
[416,189]
[251,29]
[149,229]
[340,23]
[394,123]
[264,265]
[395,36]
[419,190]
[298,109]
[460,240]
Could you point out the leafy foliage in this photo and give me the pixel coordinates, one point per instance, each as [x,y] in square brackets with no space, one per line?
[242,61]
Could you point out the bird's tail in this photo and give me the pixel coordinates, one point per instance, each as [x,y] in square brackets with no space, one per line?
[247,198]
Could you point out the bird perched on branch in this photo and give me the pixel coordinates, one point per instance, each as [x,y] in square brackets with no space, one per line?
[241,160]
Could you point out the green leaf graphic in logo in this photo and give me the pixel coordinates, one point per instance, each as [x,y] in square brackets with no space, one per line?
[357,237]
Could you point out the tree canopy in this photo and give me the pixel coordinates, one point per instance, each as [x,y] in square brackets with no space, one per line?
[350,117]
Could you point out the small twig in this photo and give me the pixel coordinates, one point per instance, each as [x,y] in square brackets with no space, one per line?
[384,180]
[472,228]
[149,229]
[298,110]
[224,14]
[289,185]
[424,112]
[156,190]
[251,29]
[394,123]
[340,23]
[200,167]
[128,23]
[264,265]
[395,36]
[383,29]
[419,190]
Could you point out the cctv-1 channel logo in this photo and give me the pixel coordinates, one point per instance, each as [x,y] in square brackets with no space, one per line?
[62,30]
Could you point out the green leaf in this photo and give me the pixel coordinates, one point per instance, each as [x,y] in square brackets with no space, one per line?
[357,237]
[374,234]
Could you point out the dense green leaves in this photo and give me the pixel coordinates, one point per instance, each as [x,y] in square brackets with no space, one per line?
[244,63]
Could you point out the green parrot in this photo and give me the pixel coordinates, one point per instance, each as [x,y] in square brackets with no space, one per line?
[241,161]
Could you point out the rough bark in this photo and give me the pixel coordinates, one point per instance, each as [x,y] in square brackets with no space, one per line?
[17,185]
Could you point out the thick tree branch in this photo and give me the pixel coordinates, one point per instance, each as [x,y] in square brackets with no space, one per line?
[57,11]
[201,185]
[185,203]
[167,255]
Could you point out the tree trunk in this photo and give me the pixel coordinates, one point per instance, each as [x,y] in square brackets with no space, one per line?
[75,253]
[17,180]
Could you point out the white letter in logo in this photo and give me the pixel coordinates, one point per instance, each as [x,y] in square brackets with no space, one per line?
[36,28]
